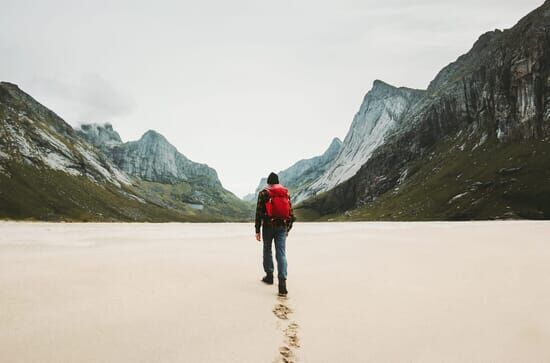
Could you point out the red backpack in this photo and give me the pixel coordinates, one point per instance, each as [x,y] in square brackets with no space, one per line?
[278,204]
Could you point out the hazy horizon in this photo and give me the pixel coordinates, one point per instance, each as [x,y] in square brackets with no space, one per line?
[220,80]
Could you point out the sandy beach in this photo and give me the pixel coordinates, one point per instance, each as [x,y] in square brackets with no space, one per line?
[358,292]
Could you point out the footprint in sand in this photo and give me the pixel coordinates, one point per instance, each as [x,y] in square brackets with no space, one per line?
[286,354]
[291,332]
[281,310]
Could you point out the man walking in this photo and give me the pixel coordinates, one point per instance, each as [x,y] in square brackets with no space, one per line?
[274,215]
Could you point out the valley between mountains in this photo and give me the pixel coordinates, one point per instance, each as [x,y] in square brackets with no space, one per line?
[474,145]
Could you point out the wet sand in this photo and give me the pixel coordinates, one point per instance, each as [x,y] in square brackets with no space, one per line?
[358,292]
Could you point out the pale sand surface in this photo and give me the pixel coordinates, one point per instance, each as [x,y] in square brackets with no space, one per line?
[359,292]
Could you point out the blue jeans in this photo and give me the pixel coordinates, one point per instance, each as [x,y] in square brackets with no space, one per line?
[279,235]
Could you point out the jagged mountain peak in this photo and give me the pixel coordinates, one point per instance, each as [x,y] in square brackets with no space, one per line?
[379,85]
[335,143]
[9,84]
[11,95]
[154,140]
[334,147]
[382,96]
[152,134]
[102,136]
[155,143]
[380,89]
[13,89]
[485,38]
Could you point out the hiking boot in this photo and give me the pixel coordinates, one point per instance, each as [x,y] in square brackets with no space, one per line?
[268,279]
[282,287]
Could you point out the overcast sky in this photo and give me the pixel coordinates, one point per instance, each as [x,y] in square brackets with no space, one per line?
[244,86]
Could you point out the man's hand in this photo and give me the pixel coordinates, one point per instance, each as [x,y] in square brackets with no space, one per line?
[258,238]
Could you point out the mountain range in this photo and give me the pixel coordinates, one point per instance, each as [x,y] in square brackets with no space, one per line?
[49,171]
[473,145]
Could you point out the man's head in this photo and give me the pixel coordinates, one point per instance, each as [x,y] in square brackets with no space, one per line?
[273,178]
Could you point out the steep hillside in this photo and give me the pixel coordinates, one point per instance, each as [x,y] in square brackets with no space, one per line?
[49,172]
[492,181]
[380,113]
[494,98]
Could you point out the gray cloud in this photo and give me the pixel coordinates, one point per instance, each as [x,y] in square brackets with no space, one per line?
[88,99]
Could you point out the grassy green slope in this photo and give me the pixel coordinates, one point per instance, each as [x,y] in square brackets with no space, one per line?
[493,181]
[221,205]
[45,194]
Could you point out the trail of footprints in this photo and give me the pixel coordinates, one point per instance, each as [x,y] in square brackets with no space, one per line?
[292,342]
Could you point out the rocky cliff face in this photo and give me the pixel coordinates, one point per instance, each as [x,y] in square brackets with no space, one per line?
[33,135]
[151,158]
[380,114]
[165,175]
[304,172]
[102,136]
[496,93]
